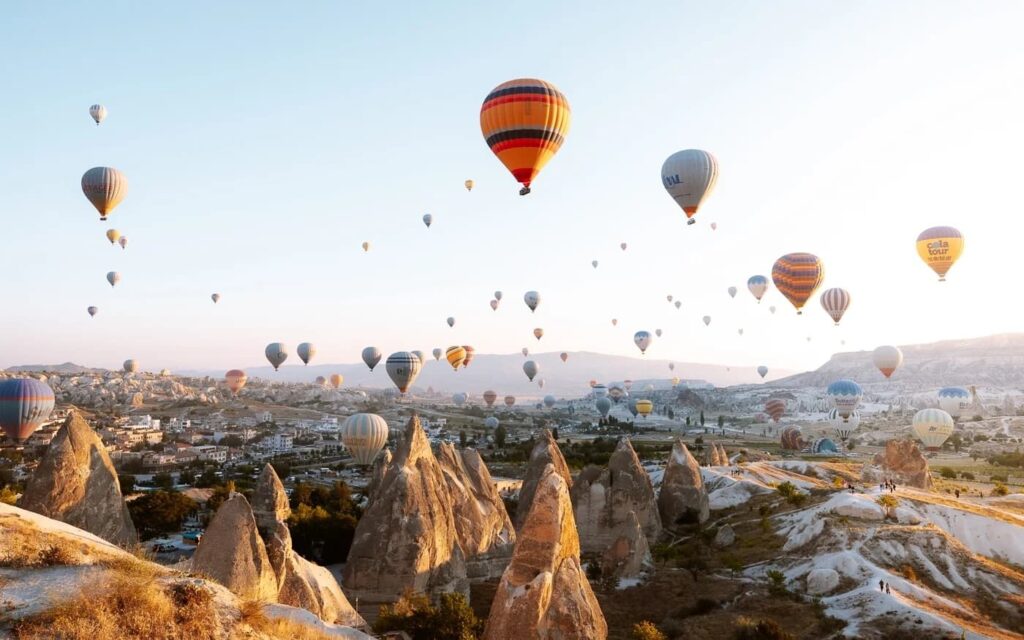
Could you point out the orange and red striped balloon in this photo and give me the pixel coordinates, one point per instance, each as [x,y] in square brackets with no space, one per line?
[796,276]
[524,122]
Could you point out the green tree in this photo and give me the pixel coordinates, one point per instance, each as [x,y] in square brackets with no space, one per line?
[163,481]
[451,619]
[127,482]
[499,436]
[160,512]
[554,433]
[646,630]
[702,417]
[721,421]
[462,439]
[231,441]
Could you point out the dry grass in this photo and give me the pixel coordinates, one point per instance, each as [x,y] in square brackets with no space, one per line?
[23,545]
[130,607]
[253,616]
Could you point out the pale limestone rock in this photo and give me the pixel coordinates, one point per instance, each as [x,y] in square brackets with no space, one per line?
[629,554]
[232,552]
[545,452]
[683,497]
[725,537]
[822,581]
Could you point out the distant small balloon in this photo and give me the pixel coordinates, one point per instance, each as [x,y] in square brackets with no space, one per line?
[538,333]
[669,297]
[113,278]
[623,245]
[489,397]
[494,305]
[732,292]
[530,368]
[98,113]
[336,380]
[438,353]
[215,297]
[615,322]
[130,366]
[678,304]
[93,310]
[593,263]
[772,309]
[707,320]
[105,188]
[235,380]
[740,331]
[470,352]
[564,356]
[642,339]
[428,219]
[714,226]
[671,366]
[123,241]
[531,298]
[526,352]
[450,321]
[371,356]
[497,296]
[276,354]
[366,246]
[469,185]
[762,371]
[456,356]
[657,332]
[306,351]
[418,354]
[113,235]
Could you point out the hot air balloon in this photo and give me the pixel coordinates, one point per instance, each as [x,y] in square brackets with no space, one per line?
[450,321]
[469,185]
[113,235]
[954,400]
[497,296]
[675,383]
[532,299]
[940,248]
[628,384]
[623,245]
[835,302]
[845,396]
[438,352]
[402,368]
[707,320]
[98,113]
[306,351]
[510,400]
[489,397]
[615,322]
[320,381]
[456,356]
[540,383]
[792,439]
[593,263]
[669,298]
[843,427]
[599,390]
[644,407]
[689,177]
[714,226]
[123,241]
[524,122]
[631,405]
[418,354]
[671,366]
[113,278]
[796,276]
[732,292]
[762,371]
[564,356]
[530,368]
[371,356]
[460,399]
[235,380]
[933,427]
[490,422]
[549,401]
[642,339]
[494,305]
[336,380]
[888,359]
[776,408]
[364,435]
[428,219]
[603,405]
[276,353]
[678,304]
[617,392]
[105,188]
[215,297]
[657,332]
[93,311]
[592,384]
[470,352]
[538,333]
[740,331]
[25,404]
[757,285]
[130,366]
[772,309]
[525,351]
[366,246]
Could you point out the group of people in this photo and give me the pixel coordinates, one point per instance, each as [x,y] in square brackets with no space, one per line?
[887,485]
[884,587]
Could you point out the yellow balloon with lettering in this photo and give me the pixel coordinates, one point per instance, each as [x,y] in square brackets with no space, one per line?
[940,248]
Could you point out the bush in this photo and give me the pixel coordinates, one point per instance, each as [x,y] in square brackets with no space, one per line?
[160,512]
[998,477]
[761,630]
[967,475]
[947,473]
[793,496]
[646,630]
[1000,489]
[704,606]
[451,619]
[888,501]
[776,582]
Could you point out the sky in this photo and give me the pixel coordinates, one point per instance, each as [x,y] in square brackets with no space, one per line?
[263,143]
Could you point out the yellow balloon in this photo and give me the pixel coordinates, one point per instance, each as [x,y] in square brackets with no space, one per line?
[113,235]
[940,248]
[469,185]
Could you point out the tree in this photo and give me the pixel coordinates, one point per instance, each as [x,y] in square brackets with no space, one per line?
[462,439]
[163,481]
[160,512]
[208,478]
[721,421]
[554,433]
[127,482]
[186,477]
[687,420]
[451,619]
[888,502]
[671,414]
[231,441]
[702,417]
[646,630]
[499,436]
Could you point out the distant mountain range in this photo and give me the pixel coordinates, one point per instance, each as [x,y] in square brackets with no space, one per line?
[68,368]
[992,361]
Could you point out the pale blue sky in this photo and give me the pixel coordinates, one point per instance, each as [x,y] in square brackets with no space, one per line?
[264,141]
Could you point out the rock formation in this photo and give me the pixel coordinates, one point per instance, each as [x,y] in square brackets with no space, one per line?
[903,463]
[723,455]
[683,497]
[604,499]
[380,467]
[484,529]
[711,456]
[545,452]
[725,536]
[544,594]
[300,583]
[407,538]
[232,552]
[629,554]
[76,483]
[822,581]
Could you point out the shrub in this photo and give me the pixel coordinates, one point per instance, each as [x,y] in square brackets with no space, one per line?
[8,496]
[160,512]
[760,630]
[838,483]
[452,618]
[704,606]
[646,630]
[1000,489]
[967,475]
[888,501]
[998,477]
[776,582]
[57,555]
[947,473]
[791,493]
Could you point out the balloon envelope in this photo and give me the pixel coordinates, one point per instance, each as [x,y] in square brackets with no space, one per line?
[835,302]
[689,176]
[954,400]
[306,351]
[402,368]
[336,380]
[757,285]
[276,354]
[604,405]
[940,248]
[564,356]
[644,407]
[25,404]
[113,278]
[98,113]
[762,371]
[105,188]
[456,356]
[489,397]
[530,368]
[93,310]
[215,297]
[642,339]
[235,380]
[364,435]
[113,235]
[888,359]
[469,185]
[371,356]
[845,395]
[532,299]
[130,366]
[796,276]
[438,352]
[524,122]
[549,401]
[428,219]
[933,427]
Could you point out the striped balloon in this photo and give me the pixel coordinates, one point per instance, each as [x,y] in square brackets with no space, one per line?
[470,352]
[105,187]
[932,427]
[776,408]
[524,122]
[757,285]
[835,301]
[940,247]
[644,407]
[364,435]
[25,404]
[98,113]
[796,276]
[402,368]
[456,356]
[845,395]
